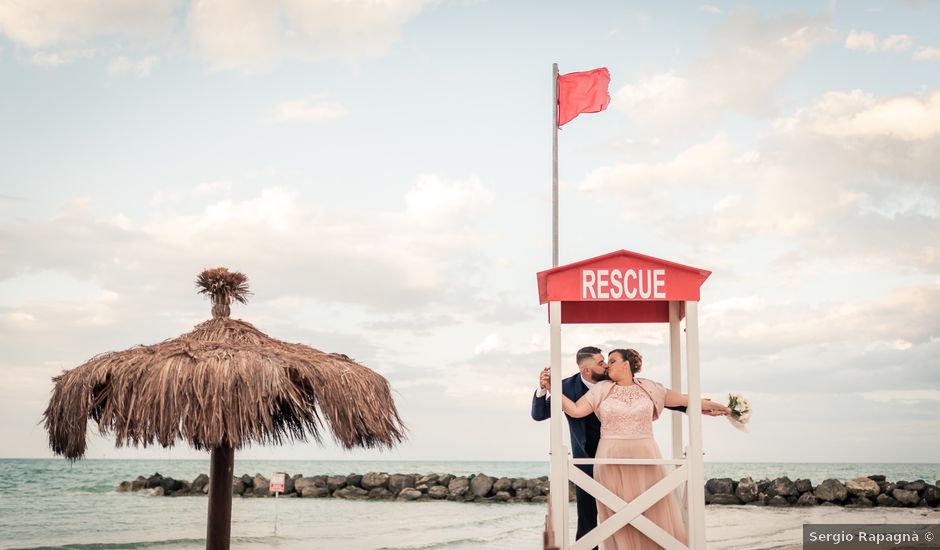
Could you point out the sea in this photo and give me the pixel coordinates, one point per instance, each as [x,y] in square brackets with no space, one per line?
[51,503]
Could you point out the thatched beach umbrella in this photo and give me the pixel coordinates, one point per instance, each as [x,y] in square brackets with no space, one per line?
[221,387]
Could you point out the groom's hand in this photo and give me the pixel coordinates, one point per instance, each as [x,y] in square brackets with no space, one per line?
[545,379]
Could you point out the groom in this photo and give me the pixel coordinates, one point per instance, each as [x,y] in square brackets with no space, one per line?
[585,432]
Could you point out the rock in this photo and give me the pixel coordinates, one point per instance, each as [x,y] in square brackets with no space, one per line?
[314,491]
[351,493]
[763,486]
[155,480]
[309,483]
[422,487]
[446,479]
[778,500]
[877,478]
[238,487]
[521,484]
[502,496]
[542,486]
[860,502]
[354,480]
[169,485]
[722,498]
[887,487]
[862,487]
[932,496]
[248,481]
[124,487]
[438,492]
[201,482]
[541,499]
[288,484]
[782,486]
[458,487]
[138,484]
[831,490]
[380,493]
[334,483]
[906,497]
[885,500]
[902,484]
[184,492]
[430,479]
[918,485]
[399,482]
[803,486]
[502,484]
[721,486]
[260,485]
[409,493]
[747,490]
[481,485]
[806,499]
[762,499]
[157,491]
[373,480]
[524,494]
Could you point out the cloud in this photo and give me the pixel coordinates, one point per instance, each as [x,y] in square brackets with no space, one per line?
[385,259]
[141,68]
[39,24]
[310,109]
[61,57]
[909,396]
[250,36]
[927,54]
[858,114]
[739,72]
[708,8]
[238,35]
[868,41]
[861,41]
[851,177]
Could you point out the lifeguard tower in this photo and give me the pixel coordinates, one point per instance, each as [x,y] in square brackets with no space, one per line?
[626,287]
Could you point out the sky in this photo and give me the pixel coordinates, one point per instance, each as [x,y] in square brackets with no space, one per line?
[381,171]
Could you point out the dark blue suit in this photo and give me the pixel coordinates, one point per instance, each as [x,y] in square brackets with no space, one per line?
[585,435]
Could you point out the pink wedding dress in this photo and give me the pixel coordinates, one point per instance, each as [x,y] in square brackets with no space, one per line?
[626,414]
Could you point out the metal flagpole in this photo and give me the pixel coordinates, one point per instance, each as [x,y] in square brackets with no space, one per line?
[554,164]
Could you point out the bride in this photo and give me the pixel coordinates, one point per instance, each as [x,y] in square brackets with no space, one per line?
[626,406]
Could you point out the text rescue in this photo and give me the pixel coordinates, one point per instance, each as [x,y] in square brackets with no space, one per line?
[607,284]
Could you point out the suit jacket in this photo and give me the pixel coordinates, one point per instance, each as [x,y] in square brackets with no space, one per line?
[585,432]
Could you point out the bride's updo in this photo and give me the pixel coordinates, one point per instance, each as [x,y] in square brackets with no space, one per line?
[633,357]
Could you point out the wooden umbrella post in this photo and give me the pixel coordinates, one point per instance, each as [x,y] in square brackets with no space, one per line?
[219,528]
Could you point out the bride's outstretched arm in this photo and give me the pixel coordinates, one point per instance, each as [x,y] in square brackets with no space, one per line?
[709,407]
[576,410]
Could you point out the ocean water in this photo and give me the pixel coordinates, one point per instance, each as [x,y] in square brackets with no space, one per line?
[55,504]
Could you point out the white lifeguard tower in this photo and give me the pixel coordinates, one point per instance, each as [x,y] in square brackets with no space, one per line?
[626,287]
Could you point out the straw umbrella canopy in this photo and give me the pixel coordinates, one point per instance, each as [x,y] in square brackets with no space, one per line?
[221,387]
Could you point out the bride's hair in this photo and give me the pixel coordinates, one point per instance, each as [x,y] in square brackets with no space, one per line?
[631,356]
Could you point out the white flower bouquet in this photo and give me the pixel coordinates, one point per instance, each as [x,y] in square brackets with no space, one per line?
[740,411]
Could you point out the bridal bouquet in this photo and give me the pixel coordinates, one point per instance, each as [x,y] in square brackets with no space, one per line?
[740,411]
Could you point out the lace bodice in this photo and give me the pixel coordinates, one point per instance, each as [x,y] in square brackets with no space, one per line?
[626,413]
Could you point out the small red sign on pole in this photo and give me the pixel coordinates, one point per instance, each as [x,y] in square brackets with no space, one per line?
[277,483]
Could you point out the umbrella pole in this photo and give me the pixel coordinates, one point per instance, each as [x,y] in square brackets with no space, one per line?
[219,529]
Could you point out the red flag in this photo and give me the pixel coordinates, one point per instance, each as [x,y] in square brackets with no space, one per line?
[584,92]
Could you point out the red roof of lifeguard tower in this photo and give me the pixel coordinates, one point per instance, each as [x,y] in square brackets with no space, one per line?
[619,287]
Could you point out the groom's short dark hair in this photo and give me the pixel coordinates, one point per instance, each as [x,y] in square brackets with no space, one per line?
[586,353]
